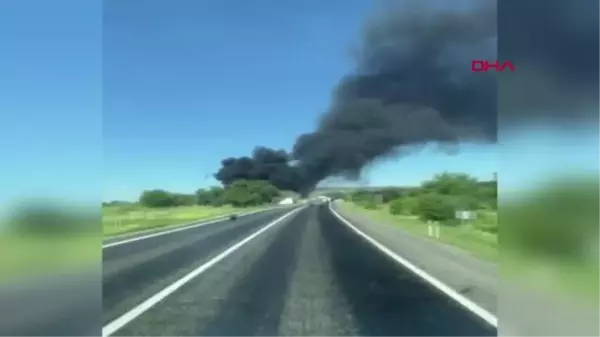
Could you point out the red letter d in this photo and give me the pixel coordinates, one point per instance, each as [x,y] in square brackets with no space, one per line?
[478,66]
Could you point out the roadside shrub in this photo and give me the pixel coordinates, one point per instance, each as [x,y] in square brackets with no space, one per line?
[243,193]
[361,197]
[436,207]
[180,199]
[369,204]
[157,198]
[212,196]
[404,206]
[410,205]
[397,206]
[466,202]
[390,194]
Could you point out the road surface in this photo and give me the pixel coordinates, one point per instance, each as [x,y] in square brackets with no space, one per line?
[307,273]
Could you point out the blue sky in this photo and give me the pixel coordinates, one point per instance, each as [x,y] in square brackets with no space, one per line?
[188,84]
[174,88]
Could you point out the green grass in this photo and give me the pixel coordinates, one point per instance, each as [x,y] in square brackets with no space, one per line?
[481,244]
[132,218]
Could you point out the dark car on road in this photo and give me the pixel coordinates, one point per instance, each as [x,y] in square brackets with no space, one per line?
[233,217]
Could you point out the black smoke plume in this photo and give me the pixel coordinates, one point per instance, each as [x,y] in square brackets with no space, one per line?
[264,164]
[412,85]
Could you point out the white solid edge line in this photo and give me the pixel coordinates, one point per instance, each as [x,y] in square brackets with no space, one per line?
[132,314]
[462,300]
[178,229]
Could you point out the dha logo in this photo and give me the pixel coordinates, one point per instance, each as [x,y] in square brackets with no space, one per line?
[478,66]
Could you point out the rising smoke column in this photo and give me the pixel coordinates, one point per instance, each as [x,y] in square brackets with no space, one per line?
[264,164]
[412,85]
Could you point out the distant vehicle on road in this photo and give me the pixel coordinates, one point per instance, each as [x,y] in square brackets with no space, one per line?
[324,199]
[287,201]
[233,217]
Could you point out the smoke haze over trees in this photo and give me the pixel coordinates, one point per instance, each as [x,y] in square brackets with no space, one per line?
[264,164]
[412,85]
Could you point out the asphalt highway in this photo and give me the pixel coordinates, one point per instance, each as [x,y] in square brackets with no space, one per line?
[307,273]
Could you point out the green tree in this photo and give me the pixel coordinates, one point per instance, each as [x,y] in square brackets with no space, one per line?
[243,193]
[390,194]
[362,197]
[397,206]
[211,196]
[467,191]
[180,199]
[217,198]
[157,198]
[203,196]
[488,194]
[404,205]
[413,192]
[436,207]
[458,184]
[410,204]
[265,189]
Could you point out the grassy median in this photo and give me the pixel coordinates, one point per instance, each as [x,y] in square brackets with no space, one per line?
[481,244]
[121,219]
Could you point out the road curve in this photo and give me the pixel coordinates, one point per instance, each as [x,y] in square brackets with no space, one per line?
[309,274]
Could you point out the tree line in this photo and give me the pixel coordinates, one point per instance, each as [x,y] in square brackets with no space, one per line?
[537,224]
[558,218]
[241,193]
[436,200]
